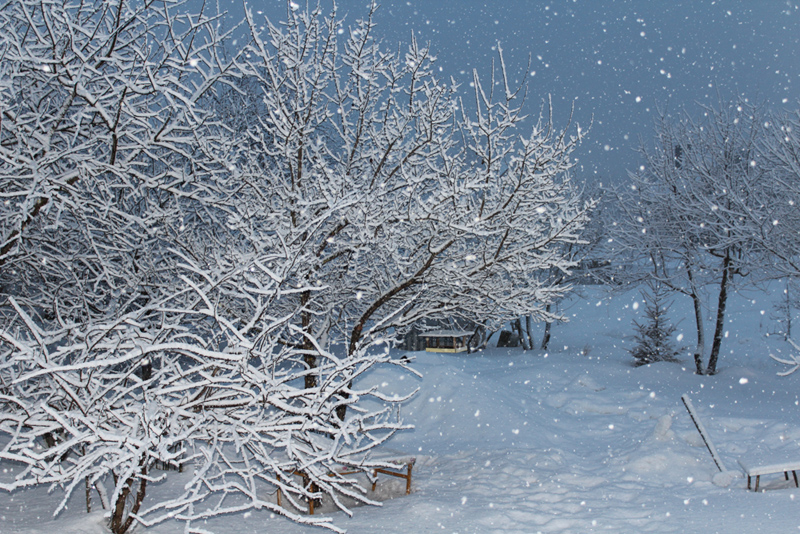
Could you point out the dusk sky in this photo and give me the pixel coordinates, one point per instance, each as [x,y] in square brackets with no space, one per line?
[617,60]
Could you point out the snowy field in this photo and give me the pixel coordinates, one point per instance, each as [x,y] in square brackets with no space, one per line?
[575,440]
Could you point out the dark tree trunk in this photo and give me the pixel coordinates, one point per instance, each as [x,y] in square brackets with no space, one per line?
[720,326]
[547,326]
[529,330]
[88,495]
[341,410]
[477,341]
[120,521]
[698,318]
[487,338]
[311,363]
[788,331]
[523,339]
[309,359]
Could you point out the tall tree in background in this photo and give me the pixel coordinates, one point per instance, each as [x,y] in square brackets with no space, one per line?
[781,149]
[653,245]
[700,206]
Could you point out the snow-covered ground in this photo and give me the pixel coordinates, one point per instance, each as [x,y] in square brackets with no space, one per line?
[575,440]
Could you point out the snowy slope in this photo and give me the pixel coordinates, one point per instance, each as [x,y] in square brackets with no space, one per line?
[575,440]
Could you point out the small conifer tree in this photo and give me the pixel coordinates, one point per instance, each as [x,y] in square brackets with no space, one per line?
[654,341]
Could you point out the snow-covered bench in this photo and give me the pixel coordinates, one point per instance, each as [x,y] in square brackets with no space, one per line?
[398,465]
[777,462]
[395,463]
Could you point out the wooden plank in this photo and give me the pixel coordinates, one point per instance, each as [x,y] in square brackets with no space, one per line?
[703,434]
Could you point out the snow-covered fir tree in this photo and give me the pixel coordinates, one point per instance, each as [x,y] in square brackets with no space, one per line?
[654,335]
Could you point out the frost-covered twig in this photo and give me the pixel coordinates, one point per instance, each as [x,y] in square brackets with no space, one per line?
[793,361]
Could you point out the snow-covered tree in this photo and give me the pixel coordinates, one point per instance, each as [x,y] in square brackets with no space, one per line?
[781,149]
[101,187]
[182,286]
[654,342]
[213,387]
[444,213]
[363,165]
[98,130]
[700,207]
[651,246]
[147,317]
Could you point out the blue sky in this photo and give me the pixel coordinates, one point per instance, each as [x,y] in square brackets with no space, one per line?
[616,60]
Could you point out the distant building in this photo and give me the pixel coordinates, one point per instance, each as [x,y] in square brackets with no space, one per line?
[446,340]
[420,336]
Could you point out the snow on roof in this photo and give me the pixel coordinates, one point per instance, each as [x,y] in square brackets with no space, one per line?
[446,333]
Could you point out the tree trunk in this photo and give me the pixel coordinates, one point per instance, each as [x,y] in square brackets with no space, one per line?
[720,327]
[121,522]
[698,318]
[547,326]
[341,410]
[788,334]
[529,330]
[477,341]
[700,347]
[523,338]
[88,495]
[309,359]
[485,342]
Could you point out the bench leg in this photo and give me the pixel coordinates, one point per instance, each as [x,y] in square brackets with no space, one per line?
[785,476]
[407,476]
[311,502]
[307,483]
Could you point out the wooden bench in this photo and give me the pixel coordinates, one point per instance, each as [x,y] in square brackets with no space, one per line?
[399,465]
[777,463]
[401,468]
